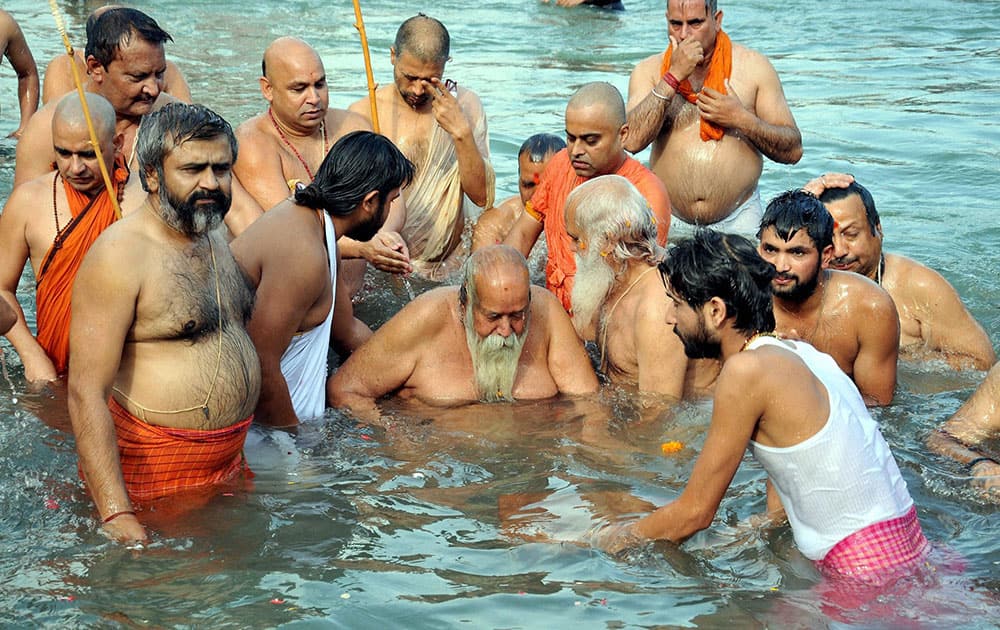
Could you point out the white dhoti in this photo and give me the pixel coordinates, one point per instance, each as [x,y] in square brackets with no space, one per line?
[304,362]
[436,206]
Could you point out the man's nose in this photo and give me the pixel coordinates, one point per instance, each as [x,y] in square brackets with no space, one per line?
[504,328]
[839,246]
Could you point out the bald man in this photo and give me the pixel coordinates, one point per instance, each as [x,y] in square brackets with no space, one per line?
[494,338]
[55,235]
[595,132]
[286,144]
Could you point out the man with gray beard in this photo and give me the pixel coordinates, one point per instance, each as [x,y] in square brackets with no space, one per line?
[494,338]
[618,299]
[163,377]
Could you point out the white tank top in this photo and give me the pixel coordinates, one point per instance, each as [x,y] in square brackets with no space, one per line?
[843,478]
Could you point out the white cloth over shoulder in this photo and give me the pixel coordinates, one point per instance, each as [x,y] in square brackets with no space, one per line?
[436,206]
[304,363]
[843,478]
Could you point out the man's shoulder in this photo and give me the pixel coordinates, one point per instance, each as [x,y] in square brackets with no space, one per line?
[641,177]
[344,121]
[254,131]
[915,280]
[650,65]
[864,297]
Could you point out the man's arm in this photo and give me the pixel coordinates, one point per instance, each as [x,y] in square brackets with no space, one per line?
[878,348]
[976,422]
[648,113]
[737,406]
[524,234]
[569,364]
[24,65]
[386,361]
[243,211]
[659,353]
[770,126]
[258,167]
[14,252]
[471,163]
[349,332]
[104,298]
[946,326]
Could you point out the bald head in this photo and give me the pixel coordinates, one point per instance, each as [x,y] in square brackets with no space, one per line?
[69,113]
[424,38]
[496,265]
[602,95]
[285,51]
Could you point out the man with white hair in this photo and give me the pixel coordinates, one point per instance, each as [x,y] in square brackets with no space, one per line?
[617,299]
[494,338]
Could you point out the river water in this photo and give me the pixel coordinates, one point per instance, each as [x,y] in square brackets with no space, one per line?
[432,522]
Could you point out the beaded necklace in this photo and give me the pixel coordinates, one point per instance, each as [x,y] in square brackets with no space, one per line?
[281,134]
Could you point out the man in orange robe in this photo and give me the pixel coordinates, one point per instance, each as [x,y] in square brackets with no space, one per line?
[595,132]
[56,235]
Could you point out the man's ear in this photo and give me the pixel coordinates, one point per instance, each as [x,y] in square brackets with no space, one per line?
[151,181]
[95,69]
[826,256]
[878,229]
[266,89]
[715,311]
[392,55]
[370,203]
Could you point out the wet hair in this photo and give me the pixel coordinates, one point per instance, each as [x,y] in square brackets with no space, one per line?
[712,264]
[540,146]
[172,125]
[358,163]
[486,261]
[795,210]
[836,194]
[423,37]
[115,28]
[711,6]
[610,210]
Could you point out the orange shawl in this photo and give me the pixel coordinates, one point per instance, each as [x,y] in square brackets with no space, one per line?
[55,279]
[719,69]
[158,461]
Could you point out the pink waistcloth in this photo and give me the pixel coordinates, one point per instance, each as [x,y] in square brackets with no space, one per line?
[879,553]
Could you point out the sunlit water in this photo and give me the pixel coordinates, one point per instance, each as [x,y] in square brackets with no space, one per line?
[428,523]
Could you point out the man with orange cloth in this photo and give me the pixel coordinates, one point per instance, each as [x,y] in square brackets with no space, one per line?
[56,237]
[711,109]
[595,130]
[163,376]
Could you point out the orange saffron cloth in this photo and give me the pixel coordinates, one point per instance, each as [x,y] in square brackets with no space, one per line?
[159,461]
[719,69]
[91,215]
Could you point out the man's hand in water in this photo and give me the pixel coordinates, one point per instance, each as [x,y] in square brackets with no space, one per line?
[126,529]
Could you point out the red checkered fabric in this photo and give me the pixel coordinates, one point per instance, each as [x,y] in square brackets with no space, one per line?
[878,553]
[158,461]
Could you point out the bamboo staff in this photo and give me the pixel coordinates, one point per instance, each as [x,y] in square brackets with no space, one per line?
[112,193]
[360,25]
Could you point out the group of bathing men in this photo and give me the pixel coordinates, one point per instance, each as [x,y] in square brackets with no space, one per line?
[175,334]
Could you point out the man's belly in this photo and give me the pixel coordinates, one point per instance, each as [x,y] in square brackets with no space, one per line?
[172,383]
[706,181]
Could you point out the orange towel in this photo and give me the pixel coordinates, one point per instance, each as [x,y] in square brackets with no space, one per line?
[719,69]
[158,461]
[55,279]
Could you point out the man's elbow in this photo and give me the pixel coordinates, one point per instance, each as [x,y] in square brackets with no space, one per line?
[794,153]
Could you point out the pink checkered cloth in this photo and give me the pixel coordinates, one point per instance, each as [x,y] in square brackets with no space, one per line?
[879,553]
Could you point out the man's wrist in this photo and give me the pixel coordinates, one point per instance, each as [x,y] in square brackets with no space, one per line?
[672,81]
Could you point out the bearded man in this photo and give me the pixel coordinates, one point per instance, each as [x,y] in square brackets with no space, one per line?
[618,300]
[163,377]
[842,314]
[494,338]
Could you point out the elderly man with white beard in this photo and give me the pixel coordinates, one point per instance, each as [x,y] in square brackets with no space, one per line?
[618,299]
[494,338]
